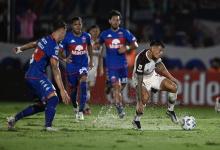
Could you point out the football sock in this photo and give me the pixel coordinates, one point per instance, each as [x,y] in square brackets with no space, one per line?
[50,110]
[30,110]
[73,97]
[83,96]
[171,101]
[138,116]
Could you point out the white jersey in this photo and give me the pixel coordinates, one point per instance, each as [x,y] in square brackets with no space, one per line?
[93,72]
[96,53]
[146,67]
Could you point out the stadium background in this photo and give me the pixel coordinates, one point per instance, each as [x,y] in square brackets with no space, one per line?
[190,30]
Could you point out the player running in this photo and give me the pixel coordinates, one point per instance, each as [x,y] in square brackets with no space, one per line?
[94,31]
[116,40]
[150,73]
[46,52]
[77,46]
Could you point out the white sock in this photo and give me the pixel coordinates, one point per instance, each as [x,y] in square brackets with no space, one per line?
[137,118]
[170,106]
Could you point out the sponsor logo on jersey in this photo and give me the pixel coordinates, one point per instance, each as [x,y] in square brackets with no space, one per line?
[109,35]
[139,69]
[115,43]
[79,50]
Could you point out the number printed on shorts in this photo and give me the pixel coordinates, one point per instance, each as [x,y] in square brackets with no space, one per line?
[83,70]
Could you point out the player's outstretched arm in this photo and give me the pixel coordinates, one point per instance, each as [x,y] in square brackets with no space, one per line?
[162,70]
[124,48]
[25,47]
[57,76]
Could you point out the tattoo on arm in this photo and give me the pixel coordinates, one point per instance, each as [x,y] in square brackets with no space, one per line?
[160,67]
[139,87]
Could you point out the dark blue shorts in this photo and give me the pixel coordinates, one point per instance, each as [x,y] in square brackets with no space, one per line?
[117,75]
[41,87]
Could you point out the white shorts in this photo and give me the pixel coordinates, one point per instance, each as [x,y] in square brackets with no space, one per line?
[151,81]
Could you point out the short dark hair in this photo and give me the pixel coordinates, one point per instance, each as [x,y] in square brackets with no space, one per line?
[114,13]
[59,24]
[76,19]
[157,43]
[92,27]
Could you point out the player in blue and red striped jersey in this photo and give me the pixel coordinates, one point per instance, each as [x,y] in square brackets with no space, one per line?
[117,41]
[77,47]
[46,52]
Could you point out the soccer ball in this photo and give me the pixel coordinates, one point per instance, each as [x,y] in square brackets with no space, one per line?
[188,123]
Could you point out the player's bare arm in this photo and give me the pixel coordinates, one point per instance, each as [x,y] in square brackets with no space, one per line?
[100,65]
[161,69]
[64,58]
[90,56]
[25,47]
[57,76]
[139,87]
[125,48]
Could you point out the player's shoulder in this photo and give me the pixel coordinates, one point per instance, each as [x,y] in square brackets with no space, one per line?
[86,34]
[124,30]
[142,55]
[105,32]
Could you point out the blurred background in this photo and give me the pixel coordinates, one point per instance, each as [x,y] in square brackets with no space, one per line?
[190,30]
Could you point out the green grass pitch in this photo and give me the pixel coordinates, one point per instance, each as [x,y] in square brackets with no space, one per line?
[104,130]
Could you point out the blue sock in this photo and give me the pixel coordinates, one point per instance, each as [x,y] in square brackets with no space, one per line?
[30,110]
[83,95]
[50,110]
[73,97]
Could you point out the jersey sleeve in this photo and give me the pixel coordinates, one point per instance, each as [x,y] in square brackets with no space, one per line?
[159,60]
[139,68]
[130,37]
[88,39]
[54,51]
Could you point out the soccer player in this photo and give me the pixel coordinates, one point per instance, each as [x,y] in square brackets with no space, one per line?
[117,41]
[77,46]
[150,74]
[94,31]
[46,52]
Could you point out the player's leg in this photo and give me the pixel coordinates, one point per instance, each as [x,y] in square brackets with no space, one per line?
[171,88]
[140,108]
[83,96]
[30,110]
[73,83]
[49,96]
[116,91]
[50,110]
[92,74]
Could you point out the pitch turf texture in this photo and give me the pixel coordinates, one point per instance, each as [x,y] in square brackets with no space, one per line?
[104,130]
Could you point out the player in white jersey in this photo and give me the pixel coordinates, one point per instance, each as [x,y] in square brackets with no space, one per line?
[150,73]
[94,31]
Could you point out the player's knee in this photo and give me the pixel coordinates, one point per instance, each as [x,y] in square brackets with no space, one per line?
[83,78]
[174,87]
[39,106]
[52,95]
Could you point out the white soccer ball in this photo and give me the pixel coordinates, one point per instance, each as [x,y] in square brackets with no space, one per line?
[188,123]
